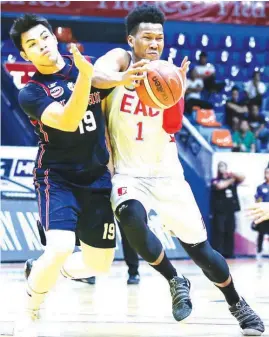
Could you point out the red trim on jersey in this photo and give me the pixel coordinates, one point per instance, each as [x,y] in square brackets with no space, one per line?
[39,162]
[172,117]
[46,137]
[33,122]
[42,85]
[46,180]
[39,197]
[70,66]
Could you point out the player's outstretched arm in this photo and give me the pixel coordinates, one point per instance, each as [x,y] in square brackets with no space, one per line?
[67,118]
[113,69]
[259,212]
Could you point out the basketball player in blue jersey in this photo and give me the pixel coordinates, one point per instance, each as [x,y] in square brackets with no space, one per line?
[147,171]
[71,176]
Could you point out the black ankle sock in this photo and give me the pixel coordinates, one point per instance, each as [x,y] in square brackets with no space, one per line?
[166,268]
[230,293]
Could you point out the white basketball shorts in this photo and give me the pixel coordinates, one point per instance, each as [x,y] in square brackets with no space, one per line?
[171,198]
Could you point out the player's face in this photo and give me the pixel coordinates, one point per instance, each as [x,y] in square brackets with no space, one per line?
[39,46]
[148,42]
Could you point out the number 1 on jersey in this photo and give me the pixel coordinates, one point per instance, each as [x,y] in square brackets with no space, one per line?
[140,130]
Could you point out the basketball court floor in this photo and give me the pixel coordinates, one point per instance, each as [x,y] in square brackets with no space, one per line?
[112,309]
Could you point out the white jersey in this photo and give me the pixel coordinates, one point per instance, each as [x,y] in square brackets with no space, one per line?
[140,146]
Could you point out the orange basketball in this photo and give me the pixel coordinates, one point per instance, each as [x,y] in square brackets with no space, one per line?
[162,87]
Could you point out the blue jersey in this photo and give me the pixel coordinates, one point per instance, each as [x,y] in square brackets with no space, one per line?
[262,193]
[75,155]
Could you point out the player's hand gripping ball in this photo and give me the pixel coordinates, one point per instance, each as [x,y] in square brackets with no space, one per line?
[163,85]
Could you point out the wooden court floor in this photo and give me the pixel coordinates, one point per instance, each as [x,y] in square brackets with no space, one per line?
[112,309]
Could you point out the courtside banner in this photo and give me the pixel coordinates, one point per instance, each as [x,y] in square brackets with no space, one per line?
[19,237]
[235,12]
[252,166]
[16,172]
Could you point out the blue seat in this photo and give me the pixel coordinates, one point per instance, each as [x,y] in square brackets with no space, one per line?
[261,59]
[265,74]
[223,71]
[184,40]
[206,41]
[236,58]
[175,55]
[221,149]
[238,73]
[206,132]
[229,42]
[220,116]
[260,43]
[224,57]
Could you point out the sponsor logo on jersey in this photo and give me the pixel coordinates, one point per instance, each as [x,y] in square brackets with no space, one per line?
[94,98]
[57,92]
[52,85]
[122,191]
[70,86]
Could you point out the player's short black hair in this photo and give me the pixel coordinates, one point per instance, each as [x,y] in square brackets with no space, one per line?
[145,13]
[23,24]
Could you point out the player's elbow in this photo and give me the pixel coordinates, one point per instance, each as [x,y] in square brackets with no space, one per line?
[58,117]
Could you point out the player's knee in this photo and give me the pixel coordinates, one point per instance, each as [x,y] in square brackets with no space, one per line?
[131,213]
[98,259]
[210,261]
[60,243]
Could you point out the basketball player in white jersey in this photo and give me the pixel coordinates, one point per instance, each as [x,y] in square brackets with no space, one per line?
[149,175]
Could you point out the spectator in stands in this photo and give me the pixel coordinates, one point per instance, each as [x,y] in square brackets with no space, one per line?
[224,204]
[257,125]
[243,139]
[193,93]
[207,72]
[255,89]
[236,109]
[262,195]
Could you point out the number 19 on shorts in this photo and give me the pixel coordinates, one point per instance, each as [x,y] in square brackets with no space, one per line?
[109,231]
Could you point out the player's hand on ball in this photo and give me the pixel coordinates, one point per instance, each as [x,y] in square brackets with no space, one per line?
[183,69]
[135,74]
[84,66]
[259,212]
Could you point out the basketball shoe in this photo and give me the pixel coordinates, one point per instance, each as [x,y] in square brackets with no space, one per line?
[25,325]
[133,279]
[181,302]
[250,323]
